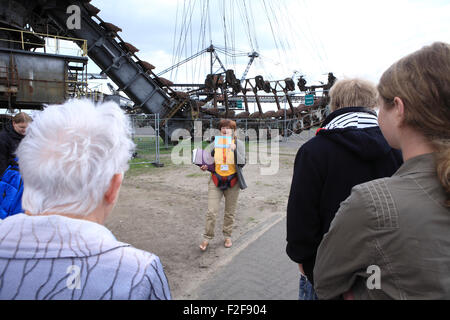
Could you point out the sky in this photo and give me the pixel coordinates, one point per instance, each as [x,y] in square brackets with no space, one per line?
[351,38]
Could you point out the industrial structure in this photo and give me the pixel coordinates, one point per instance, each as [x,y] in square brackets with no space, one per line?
[32,75]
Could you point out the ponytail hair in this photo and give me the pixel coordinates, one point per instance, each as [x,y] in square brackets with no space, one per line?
[443,165]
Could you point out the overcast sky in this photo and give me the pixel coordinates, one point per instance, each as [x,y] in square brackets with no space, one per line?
[348,37]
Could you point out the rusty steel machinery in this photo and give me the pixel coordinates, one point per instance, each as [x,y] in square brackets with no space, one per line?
[30,78]
[99,40]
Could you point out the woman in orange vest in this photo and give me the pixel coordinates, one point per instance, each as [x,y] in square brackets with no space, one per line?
[226,181]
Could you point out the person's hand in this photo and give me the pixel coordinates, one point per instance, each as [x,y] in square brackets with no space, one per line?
[233,147]
[204,167]
[300,266]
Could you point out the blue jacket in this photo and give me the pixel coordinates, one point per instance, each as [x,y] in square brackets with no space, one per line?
[349,150]
[9,141]
[11,190]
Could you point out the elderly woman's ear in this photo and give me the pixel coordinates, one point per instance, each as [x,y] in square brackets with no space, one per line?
[112,193]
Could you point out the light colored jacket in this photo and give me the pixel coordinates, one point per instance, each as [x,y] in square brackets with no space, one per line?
[55,257]
[390,239]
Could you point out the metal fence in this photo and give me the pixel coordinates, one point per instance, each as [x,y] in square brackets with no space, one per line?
[289,130]
[148,132]
[146,136]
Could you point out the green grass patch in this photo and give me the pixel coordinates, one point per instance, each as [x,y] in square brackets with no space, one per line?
[195,175]
[138,169]
[138,166]
[146,146]
[146,152]
[251,220]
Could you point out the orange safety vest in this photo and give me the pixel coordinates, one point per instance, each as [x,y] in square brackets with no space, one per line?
[224,161]
[225,169]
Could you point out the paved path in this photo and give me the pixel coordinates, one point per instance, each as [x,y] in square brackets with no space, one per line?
[261,271]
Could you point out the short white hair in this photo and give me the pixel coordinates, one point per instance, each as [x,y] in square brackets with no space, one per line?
[70,154]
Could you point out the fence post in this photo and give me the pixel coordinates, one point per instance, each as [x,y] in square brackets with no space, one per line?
[285,125]
[133,126]
[166,136]
[157,140]
[246,127]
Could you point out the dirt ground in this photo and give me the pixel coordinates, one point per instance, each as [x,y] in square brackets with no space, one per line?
[162,210]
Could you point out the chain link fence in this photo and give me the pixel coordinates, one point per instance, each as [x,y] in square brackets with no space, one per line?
[148,132]
[289,130]
[146,136]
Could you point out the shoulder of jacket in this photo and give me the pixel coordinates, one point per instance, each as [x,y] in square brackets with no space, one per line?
[131,256]
[4,136]
[317,148]
[139,253]
[378,196]
[317,142]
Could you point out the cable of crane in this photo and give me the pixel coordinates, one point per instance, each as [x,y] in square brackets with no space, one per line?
[314,41]
[270,24]
[307,43]
[174,36]
[323,50]
[277,16]
[243,18]
[186,29]
[229,52]
[247,20]
[177,48]
[224,26]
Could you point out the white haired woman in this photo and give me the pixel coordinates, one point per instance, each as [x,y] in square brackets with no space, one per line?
[72,161]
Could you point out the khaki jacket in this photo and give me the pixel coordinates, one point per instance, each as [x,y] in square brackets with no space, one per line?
[390,239]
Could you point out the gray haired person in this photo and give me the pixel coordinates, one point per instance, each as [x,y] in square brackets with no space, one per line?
[72,162]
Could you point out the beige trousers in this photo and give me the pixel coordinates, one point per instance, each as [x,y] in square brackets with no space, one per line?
[214,197]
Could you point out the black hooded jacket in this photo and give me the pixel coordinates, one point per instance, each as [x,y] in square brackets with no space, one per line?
[326,169]
[9,141]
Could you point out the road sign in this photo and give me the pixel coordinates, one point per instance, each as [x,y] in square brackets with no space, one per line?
[309,100]
[235,104]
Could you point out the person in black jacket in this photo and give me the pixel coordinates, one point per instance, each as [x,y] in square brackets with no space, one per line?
[349,149]
[10,138]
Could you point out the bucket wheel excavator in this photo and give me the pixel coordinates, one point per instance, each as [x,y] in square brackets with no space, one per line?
[29,79]
[103,45]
